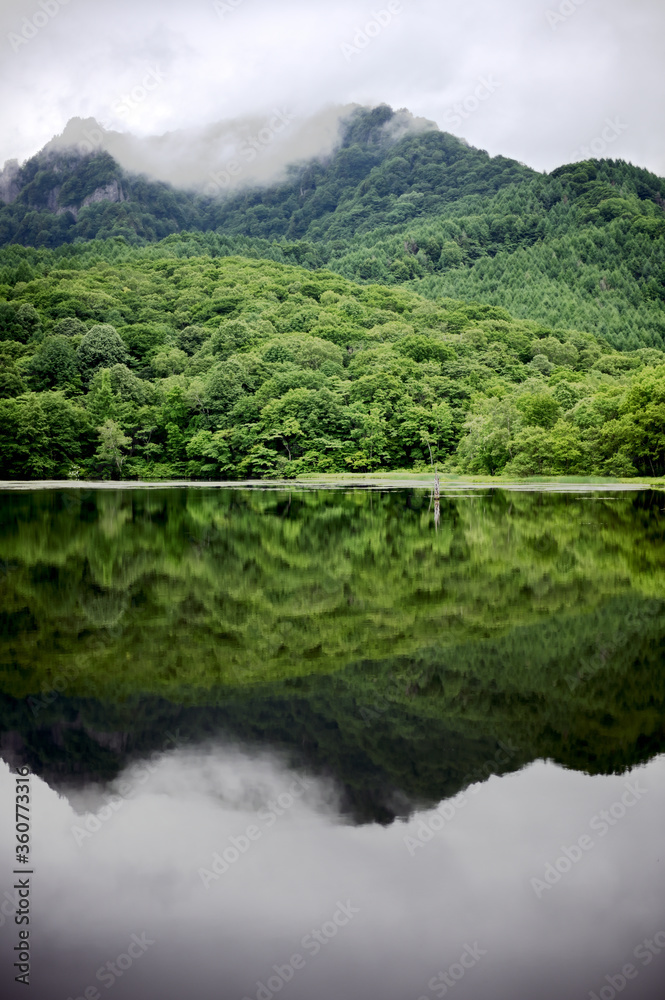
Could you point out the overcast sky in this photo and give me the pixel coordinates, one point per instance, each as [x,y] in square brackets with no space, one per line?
[534,84]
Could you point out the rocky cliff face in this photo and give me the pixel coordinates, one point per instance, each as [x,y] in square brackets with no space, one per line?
[109,192]
[52,200]
[9,187]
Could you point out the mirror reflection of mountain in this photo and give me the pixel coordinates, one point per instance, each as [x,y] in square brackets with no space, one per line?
[339,627]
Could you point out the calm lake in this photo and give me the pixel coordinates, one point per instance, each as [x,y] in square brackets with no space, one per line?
[332,744]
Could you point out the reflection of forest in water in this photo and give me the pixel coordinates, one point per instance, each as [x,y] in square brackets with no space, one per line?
[341,626]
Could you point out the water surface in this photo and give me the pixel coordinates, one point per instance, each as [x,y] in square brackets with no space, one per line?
[336,743]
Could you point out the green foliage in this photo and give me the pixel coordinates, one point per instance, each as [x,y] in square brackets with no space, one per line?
[42,436]
[295,371]
[54,365]
[111,451]
[488,441]
[18,323]
[100,401]
[222,367]
[539,408]
[642,420]
[69,327]
[100,347]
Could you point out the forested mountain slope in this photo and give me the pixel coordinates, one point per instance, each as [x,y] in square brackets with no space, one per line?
[581,248]
[372,179]
[162,362]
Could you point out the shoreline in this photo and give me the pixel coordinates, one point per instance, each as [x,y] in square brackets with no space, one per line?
[369,481]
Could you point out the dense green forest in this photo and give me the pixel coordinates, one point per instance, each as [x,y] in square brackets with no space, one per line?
[343,625]
[401,303]
[150,363]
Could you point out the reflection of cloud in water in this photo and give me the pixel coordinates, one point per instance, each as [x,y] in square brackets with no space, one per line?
[469,884]
[224,778]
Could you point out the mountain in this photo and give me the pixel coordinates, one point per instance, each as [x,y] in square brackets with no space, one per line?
[61,196]
[264,147]
[380,156]
[401,300]
[393,200]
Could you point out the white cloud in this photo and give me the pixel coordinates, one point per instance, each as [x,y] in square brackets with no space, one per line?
[558,82]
